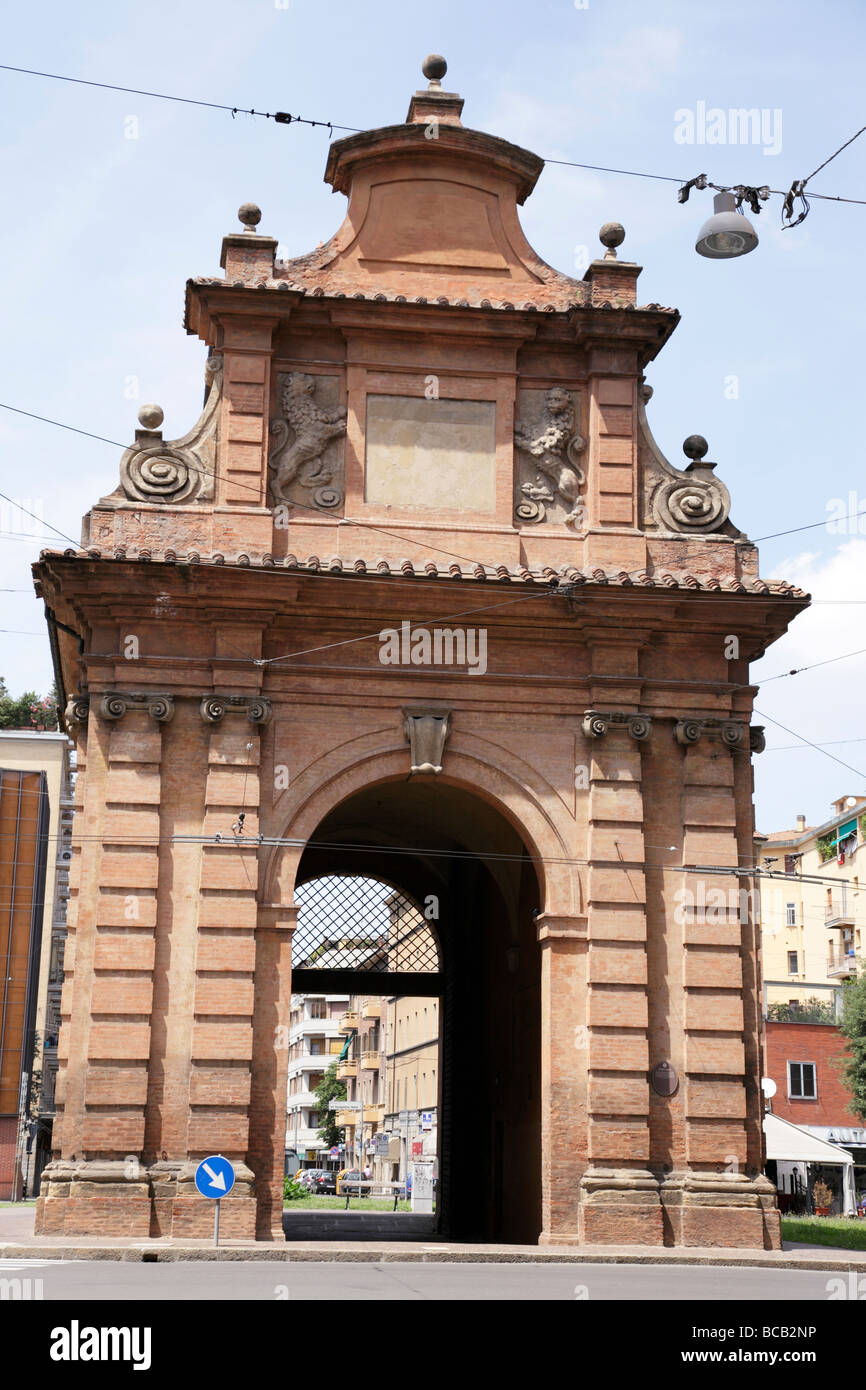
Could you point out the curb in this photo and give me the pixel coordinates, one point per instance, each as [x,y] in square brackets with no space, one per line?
[288,1254]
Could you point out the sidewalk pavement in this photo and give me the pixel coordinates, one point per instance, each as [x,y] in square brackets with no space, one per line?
[17,1242]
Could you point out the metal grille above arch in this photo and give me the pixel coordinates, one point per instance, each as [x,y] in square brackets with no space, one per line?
[357,930]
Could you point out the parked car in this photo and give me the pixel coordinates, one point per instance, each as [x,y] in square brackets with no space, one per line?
[318,1180]
[350,1176]
[323,1181]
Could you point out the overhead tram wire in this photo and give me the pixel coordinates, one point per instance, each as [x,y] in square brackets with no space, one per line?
[301,506]
[285,118]
[816,746]
[567,591]
[559,591]
[211,473]
[282,117]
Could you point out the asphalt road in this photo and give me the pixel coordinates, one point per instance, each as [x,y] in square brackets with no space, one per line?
[397,1282]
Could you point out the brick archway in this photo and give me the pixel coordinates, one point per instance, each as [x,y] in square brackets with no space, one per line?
[461,850]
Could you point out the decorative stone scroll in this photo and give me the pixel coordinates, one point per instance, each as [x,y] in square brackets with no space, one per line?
[427,733]
[549,476]
[214,707]
[114,704]
[597,723]
[732,732]
[77,711]
[690,500]
[695,502]
[305,458]
[757,738]
[177,470]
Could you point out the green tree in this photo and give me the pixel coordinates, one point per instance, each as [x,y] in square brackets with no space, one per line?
[328,1089]
[852,1026]
[28,711]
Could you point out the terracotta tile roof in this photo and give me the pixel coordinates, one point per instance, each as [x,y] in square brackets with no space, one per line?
[558,294]
[442,569]
[784,836]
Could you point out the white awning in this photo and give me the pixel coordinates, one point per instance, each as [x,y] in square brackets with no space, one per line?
[793,1144]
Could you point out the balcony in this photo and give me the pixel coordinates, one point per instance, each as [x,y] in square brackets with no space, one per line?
[841,964]
[302,1100]
[838,914]
[349,1021]
[347,1070]
[370,1061]
[372,1009]
[346,1119]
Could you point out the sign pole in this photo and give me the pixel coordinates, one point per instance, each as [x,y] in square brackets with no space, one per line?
[216,1224]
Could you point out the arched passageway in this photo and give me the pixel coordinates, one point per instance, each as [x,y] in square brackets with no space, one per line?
[468,871]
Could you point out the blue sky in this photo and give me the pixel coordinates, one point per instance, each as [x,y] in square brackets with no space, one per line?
[112,201]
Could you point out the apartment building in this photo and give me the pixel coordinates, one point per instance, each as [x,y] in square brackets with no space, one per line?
[392,1067]
[315,1041]
[36,789]
[813,910]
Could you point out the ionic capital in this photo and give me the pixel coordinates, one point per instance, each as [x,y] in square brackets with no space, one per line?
[76,712]
[598,723]
[213,708]
[114,704]
[732,732]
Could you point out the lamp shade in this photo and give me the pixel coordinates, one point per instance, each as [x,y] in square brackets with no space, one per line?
[727,233]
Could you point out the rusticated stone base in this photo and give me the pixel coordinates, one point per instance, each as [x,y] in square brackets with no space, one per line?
[96,1198]
[720,1209]
[122,1198]
[619,1207]
[633,1207]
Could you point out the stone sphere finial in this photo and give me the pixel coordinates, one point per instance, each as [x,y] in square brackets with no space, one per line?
[250,215]
[695,447]
[611,235]
[150,417]
[434,68]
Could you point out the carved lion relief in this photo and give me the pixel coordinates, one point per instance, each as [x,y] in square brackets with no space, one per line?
[548,443]
[306,456]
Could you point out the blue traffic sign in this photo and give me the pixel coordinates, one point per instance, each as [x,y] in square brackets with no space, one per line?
[214,1176]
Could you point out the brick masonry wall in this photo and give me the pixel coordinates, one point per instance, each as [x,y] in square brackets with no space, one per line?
[809,1042]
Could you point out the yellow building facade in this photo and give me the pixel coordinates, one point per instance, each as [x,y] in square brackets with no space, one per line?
[813,907]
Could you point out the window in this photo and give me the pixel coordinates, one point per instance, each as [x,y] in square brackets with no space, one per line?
[790,914]
[792,962]
[801,1081]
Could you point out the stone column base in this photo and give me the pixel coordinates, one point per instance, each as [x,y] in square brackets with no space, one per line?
[619,1207]
[633,1207]
[101,1197]
[192,1216]
[720,1209]
[116,1197]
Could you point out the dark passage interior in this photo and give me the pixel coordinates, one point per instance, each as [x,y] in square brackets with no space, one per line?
[439,842]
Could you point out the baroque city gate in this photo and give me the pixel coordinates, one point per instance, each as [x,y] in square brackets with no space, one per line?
[418,596]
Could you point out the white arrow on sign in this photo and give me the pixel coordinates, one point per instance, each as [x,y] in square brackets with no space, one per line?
[216,1179]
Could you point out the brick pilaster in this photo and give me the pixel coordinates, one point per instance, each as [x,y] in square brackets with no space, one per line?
[221,1042]
[619,1196]
[108,995]
[564,1042]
